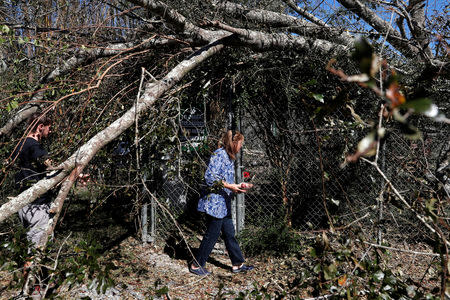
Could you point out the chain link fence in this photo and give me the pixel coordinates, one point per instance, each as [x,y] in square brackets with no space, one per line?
[298,166]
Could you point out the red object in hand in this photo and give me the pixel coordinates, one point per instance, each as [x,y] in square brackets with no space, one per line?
[245,185]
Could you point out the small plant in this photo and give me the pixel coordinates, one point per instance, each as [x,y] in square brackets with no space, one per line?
[85,265]
[13,254]
[275,239]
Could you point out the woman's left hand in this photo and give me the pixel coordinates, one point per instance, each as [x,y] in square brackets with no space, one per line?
[235,188]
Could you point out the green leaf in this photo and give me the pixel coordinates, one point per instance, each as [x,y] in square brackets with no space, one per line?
[318,97]
[433,112]
[14,104]
[329,271]
[378,276]
[419,105]
[162,291]
[311,82]
[317,268]
[391,280]
[5,29]
[429,205]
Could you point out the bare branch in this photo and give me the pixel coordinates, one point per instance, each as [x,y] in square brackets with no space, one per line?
[80,57]
[57,205]
[305,13]
[403,200]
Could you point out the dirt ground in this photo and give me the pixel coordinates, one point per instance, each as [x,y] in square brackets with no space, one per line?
[141,270]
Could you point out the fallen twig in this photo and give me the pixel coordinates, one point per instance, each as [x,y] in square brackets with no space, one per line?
[397,249]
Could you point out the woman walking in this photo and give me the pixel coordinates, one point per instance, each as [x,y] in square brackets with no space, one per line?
[216,204]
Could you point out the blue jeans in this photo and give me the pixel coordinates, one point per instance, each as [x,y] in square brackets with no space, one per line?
[214,227]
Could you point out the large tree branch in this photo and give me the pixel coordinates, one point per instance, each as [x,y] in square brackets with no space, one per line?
[383,27]
[256,40]
[291,23]
[81,57]
[58,204]
[417,25]
[29,195]
[152,92]
[260,41]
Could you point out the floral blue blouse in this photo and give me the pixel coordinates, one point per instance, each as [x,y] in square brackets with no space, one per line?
[220,167]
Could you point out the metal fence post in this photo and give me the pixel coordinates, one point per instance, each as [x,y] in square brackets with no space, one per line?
[144,223]
[240,198]
[380,200]
[146,238]
[151,238]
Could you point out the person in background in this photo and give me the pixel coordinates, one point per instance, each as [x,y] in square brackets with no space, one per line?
[33,161]
[216,204]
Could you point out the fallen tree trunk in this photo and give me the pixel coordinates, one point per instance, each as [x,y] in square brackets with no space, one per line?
[152,92]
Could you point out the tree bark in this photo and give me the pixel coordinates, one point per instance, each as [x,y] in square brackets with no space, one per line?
[180,22]
[289,23]
[383,27]
[260,41]
[417,10]
[58,203]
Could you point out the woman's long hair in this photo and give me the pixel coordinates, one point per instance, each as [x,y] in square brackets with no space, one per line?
[229,142]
